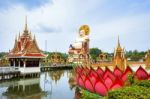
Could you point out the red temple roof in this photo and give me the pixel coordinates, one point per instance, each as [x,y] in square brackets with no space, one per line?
[26,47]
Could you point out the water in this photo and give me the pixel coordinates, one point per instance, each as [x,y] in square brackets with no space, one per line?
[51,85]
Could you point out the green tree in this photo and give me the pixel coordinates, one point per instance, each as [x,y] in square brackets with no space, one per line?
[2,54]
[94,52]
[136,55]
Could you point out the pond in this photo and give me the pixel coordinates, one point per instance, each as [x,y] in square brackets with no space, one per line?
[58,84]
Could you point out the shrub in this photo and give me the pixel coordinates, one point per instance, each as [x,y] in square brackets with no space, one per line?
[132,92]
[131,79]
[88,95]
[144,83]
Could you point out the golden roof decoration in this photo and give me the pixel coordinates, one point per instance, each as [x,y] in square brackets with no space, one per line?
[119,46]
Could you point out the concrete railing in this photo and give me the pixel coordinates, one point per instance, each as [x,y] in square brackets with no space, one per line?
[7,69]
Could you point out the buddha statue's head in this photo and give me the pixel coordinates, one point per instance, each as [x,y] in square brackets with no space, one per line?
[84,30]
[81,33]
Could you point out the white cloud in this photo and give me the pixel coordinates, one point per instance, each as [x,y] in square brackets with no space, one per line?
[64,17]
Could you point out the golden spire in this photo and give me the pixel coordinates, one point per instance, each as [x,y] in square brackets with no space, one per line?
[118,46]
[16,38]
[118,42]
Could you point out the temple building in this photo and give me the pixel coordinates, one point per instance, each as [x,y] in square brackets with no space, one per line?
[56,58]
[119,58]
[26,55]
[147,59]
[103,57]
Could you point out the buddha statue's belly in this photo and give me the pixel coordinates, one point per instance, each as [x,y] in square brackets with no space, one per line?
[77,45]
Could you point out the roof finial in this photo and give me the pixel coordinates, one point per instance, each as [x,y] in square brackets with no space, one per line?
[118,42]
[26,24]
[19,35]
[16,37]
[34,37]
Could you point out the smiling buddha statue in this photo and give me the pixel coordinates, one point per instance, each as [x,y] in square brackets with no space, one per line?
[81,44]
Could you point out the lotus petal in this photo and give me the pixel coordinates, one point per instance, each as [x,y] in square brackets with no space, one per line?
[81,82]
[117,72]
[118,83]
[100,88]
[108,82]
[108,73]
[141,74]
[88,85]
[100,71]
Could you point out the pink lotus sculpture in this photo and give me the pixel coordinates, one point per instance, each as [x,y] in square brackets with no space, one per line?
[100,82]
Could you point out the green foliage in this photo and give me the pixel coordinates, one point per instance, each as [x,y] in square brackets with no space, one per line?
[144,83]
[74,65]
[132,92]
[135,55]
[138,90]
[94,52]
[88,95]
[130,79]
[64,56]
[2,54]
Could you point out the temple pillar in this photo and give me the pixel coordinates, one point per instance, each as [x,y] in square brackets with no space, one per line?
[9,63]
[19,63]
[24,63]
[14,63]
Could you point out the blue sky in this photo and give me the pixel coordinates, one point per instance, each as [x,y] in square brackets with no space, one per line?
[58,21]
[28,4]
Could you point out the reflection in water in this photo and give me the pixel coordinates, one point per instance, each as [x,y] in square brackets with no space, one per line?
[77,93]
[58,84]
[28,88]
[71,80]
[56,75]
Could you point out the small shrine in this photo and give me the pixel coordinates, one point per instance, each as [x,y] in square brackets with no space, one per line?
[56,58]
[147,59]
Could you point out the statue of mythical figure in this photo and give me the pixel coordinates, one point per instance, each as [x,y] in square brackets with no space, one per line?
[81,45]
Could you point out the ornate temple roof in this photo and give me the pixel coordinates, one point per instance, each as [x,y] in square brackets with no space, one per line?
[26,46]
